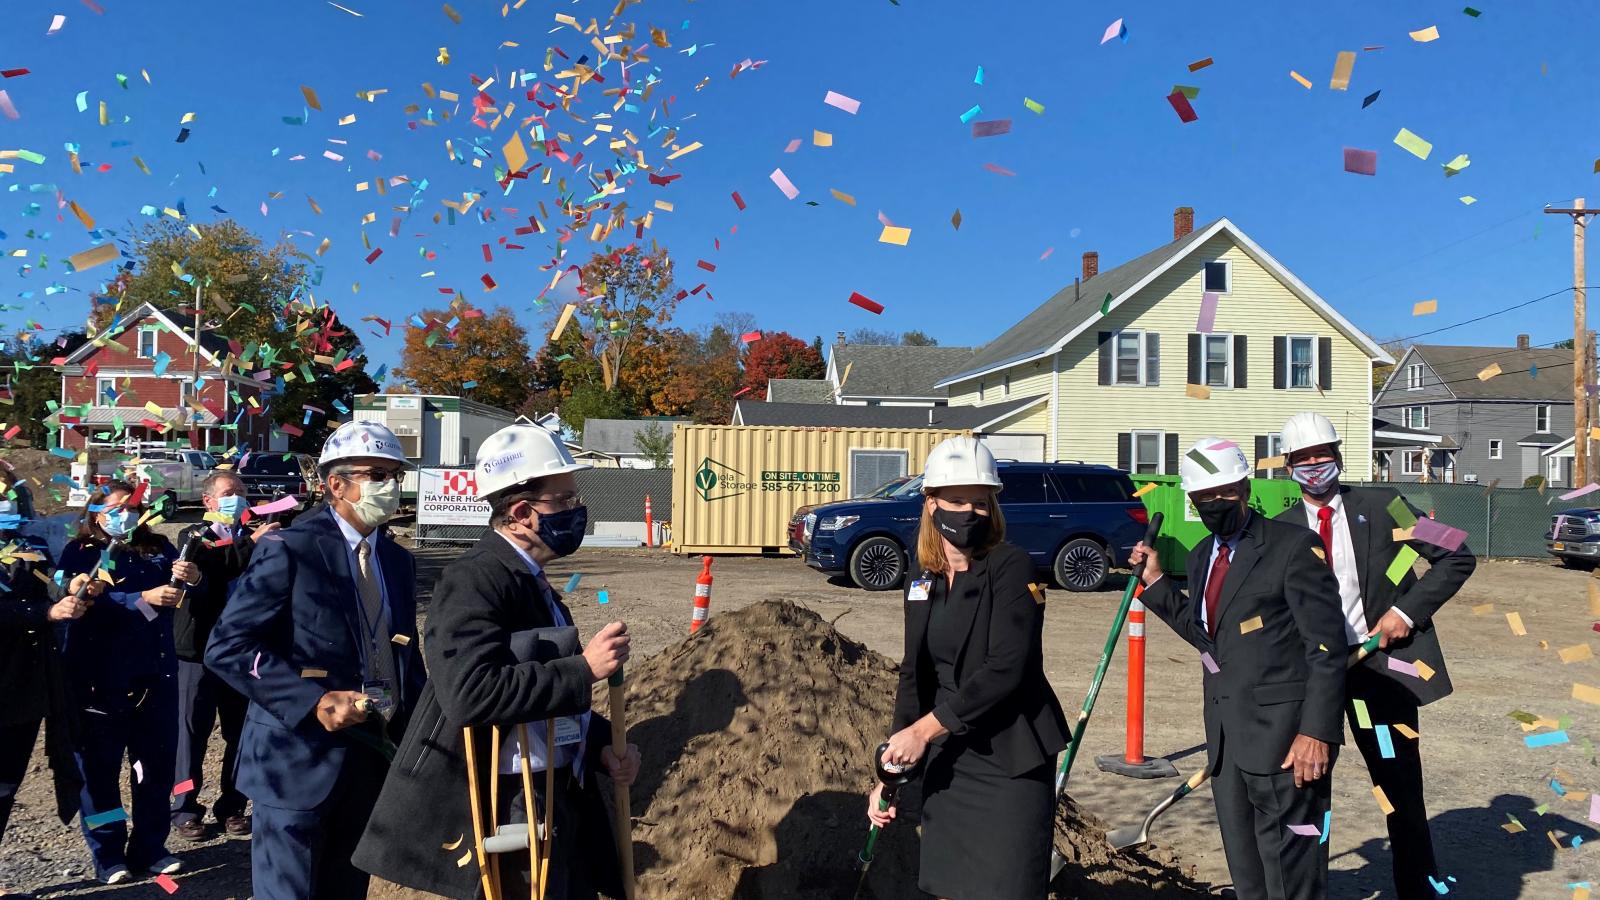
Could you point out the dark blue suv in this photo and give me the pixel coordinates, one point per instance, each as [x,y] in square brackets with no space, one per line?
[1072,519]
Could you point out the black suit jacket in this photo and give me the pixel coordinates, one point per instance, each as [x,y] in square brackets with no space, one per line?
[481,600]
[202,604]
[1283,678]
[1003,704]
[1372,535]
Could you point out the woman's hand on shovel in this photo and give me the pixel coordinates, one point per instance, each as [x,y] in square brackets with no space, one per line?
[880,818]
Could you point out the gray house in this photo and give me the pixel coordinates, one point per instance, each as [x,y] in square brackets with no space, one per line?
[1476,429]
[614,444]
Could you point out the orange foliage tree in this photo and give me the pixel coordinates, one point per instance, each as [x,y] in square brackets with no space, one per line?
[778,355]
[489,349]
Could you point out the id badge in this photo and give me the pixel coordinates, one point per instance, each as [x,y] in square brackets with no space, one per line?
[569,731]
[919,591]
[380,693]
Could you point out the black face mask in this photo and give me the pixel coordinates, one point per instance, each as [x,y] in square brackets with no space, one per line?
[1223,518]
[961,529]
[562,532]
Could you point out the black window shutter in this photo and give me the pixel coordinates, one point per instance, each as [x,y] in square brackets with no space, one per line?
[1261,451]
[1196,376]
[1125,451]
[1172,453]
[1279,350]
[1325,363]
[1241,365]
[1105,357]
[1152,358]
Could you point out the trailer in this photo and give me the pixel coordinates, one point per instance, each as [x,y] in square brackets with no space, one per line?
[435,430]
[735,487]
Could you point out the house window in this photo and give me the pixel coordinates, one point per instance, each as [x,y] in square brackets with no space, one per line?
[1302,361]
[1146,453]
[1411,462]
[1495,449]
[1414,416]
[981,387]
[104,391]
[1218,353]
[1005,387]
[1541,418]
[185,388]
[1414,377]
[1129,353]
[1217,279]
[147,343]
[1553,470]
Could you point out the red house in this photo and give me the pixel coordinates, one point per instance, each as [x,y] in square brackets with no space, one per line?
[134,383]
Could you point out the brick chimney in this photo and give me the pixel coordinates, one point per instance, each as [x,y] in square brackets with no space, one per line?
[840,338]
[1182,222]
[1522,342]
[1091,265]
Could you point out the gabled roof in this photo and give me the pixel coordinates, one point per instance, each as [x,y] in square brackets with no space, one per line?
[800,390]
[1075,308]
[614,437]
[212,346]
[1539,375]
[820,415]
[896,370]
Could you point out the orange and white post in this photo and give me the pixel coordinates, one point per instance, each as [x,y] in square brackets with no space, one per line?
[1133,762]
[649,524]
[702,596]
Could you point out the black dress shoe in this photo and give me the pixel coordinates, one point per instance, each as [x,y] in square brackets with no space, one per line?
[192,830]
[238,826]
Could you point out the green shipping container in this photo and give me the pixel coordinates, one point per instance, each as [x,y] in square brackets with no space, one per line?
[1181,529]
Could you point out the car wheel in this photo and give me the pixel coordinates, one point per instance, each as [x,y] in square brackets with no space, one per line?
[877,564]
[1082,565]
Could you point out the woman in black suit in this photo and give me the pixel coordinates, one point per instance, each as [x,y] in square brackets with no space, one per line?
[972,685]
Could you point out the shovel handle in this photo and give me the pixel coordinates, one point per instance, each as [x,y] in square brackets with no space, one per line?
[619,748]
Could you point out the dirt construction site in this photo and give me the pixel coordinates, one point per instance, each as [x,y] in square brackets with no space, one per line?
[757,732]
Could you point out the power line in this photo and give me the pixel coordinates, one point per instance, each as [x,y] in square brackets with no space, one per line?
[1490,315]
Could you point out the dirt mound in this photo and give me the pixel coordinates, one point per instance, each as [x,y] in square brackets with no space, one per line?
[757,736]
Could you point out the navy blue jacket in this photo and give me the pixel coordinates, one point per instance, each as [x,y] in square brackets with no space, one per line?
[114,645]
[296,609]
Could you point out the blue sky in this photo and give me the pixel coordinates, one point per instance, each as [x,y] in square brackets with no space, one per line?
[1101,169]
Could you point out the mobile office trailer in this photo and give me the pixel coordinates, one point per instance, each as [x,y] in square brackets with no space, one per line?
[435,430]
[735,486]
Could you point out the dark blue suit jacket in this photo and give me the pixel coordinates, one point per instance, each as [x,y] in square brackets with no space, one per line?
[296,608]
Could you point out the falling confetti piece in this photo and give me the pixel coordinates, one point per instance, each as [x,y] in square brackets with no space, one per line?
[999,170]
[868,305]
[1488,372]
[1033,106]
[784,184]
[1383,800]
[1468,200]
[1370,99]
[166,883]
[840,101]
[991,128]
[842,197]
[892,234]
[1515,621]
[1115,30]
[1180,105]
[1199,64]
[1304,81]
[955,220]
[1414,145]
[1251,624]
[1425,307]
[55,24]
[1426,35]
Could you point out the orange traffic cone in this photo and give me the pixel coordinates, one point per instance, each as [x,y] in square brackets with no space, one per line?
[702,596]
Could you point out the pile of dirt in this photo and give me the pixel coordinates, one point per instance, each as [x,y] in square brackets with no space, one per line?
[757,735]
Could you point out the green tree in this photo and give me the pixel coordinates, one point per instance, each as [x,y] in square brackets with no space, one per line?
[655,442]
[592,401]
[629,290]
[32,381]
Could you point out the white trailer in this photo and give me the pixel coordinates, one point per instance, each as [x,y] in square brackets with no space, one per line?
[435,430]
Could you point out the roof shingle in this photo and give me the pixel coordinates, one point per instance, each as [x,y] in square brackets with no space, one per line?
[895,370]
[1544,375]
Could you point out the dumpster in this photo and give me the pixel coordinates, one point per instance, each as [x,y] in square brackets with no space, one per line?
[1182,530]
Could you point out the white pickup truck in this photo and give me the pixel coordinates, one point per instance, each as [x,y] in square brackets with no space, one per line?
[181,472]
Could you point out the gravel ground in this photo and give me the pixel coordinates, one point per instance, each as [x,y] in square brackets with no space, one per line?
[1477,765]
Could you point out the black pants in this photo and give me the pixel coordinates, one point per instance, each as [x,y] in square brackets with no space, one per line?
[203,698]
[1265,859]
[16,748]
[1410,842]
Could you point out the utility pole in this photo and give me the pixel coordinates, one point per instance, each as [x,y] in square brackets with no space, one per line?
[1581,372]
[1592,402]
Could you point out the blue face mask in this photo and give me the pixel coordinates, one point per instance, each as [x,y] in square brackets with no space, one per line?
[119,522]
[233,507]
[563,532]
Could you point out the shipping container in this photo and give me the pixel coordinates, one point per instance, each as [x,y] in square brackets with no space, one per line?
[435,431]
[735,487]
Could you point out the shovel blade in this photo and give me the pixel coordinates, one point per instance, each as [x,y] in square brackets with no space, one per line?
[1127,836]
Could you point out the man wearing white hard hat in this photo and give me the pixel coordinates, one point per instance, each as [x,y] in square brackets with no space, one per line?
[1263,610]
[502,651]
[320,633]
[1356,527]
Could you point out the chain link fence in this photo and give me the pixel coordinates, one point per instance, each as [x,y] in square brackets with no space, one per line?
[1504,522]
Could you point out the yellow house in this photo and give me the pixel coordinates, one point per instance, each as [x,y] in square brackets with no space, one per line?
[1126,372]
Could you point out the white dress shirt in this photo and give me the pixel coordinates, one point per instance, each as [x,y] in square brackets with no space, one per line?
[379,634]
[1344,568]
[510,749]
[1232,544]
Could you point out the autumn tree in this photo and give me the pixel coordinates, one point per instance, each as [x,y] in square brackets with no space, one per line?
[490,350]
[916,338]
[260,299]
[707,375]
[628,290]
[873,336]
[777,355]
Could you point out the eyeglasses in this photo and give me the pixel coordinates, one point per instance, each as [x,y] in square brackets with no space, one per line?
[371,476]
[569,500]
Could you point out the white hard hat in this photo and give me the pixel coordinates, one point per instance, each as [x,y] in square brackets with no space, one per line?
[356,439]
[518,453]
[1211,463]
[1308,429]
[960,460]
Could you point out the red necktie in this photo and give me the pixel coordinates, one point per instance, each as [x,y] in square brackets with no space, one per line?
[1325,528]
[1219,571]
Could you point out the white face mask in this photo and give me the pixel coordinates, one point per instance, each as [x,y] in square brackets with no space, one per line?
[378,502]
